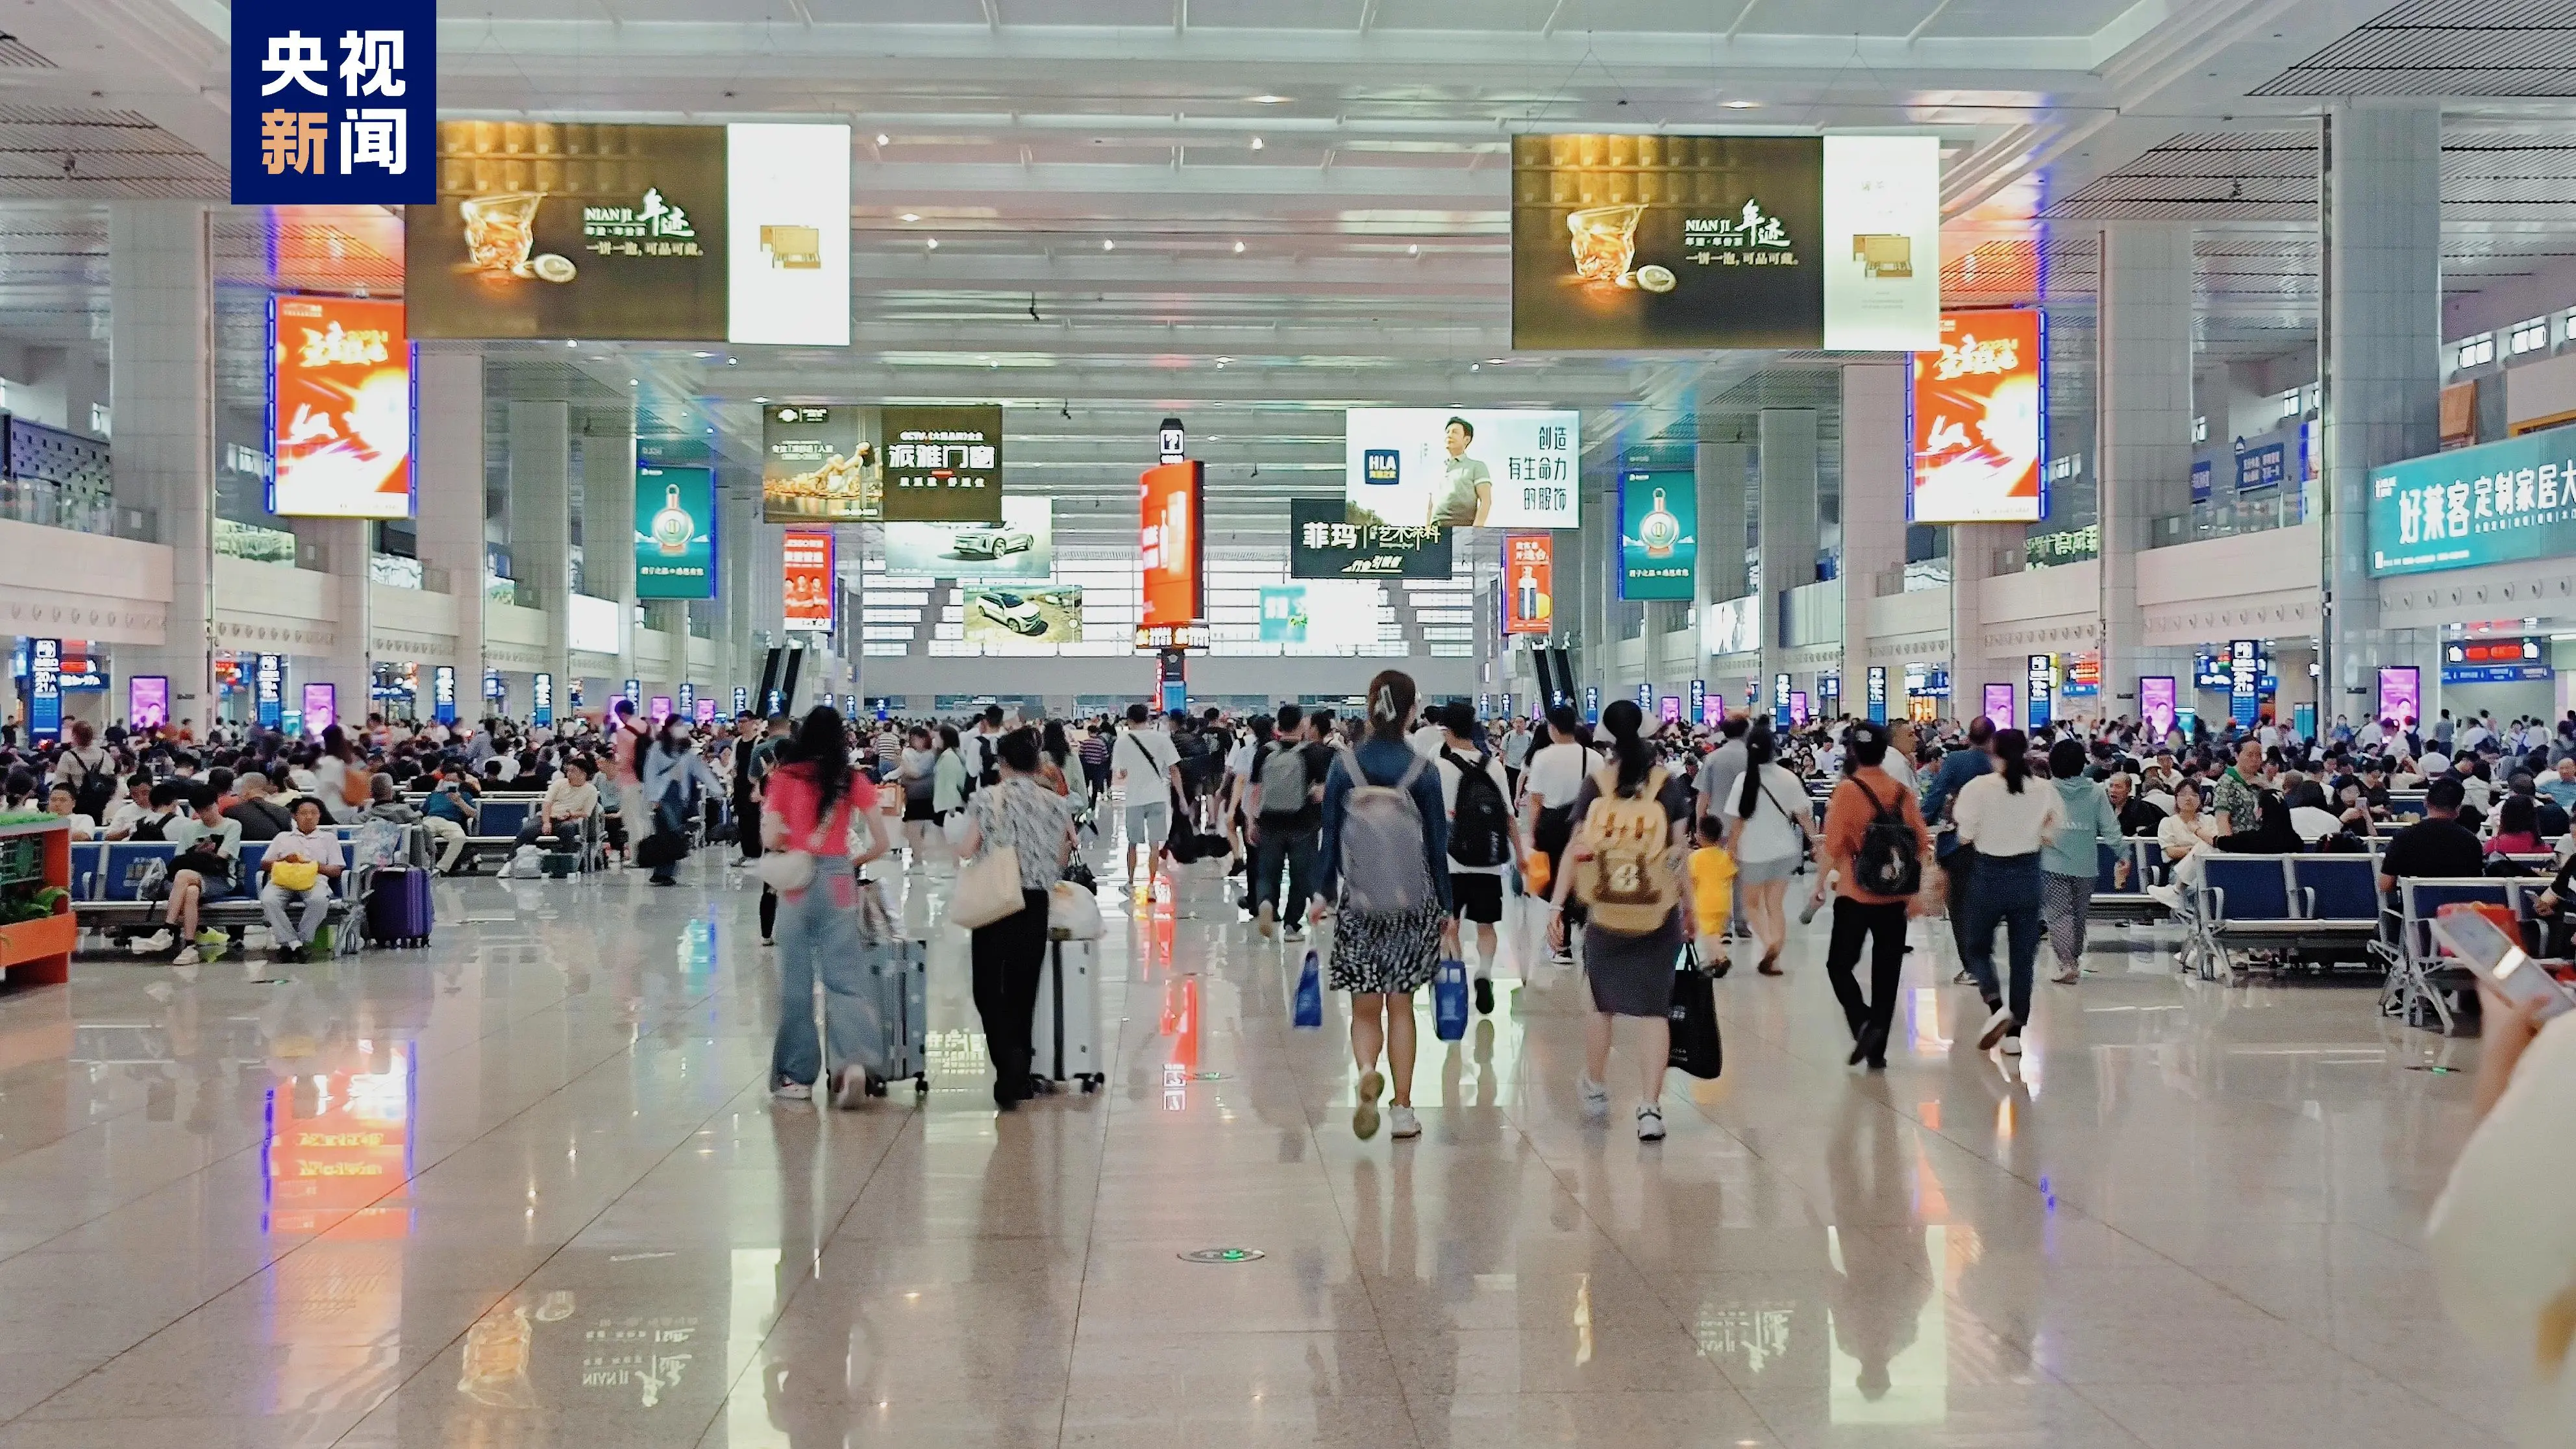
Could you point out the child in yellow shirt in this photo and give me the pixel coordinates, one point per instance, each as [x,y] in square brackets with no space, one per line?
[1712,878]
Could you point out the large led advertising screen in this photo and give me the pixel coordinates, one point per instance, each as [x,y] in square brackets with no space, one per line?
[1529,584]
[1020,549]
[1172,512]
[675,532]
[819,464]
[1326,613]
[2495,503]
[808,588]
[1633,242]
[943,464]
[1658,535]
[1981,420]
[1323,543]
[1009,616]
[340,408]
[1469,468]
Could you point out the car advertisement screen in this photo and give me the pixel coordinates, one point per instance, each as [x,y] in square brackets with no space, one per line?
[2495,503]
[675,532]
[943,464]
[340,414]
[807,556]
[1323,543]
[1658,535]
[1629,242]
[1981,420]
[1478,468]
[1329,614]
[820,464]
[1172,513]
[1020,549]
[1012,617]
[1529,584]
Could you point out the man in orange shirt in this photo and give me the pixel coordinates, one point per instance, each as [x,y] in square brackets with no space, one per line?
[1879,855]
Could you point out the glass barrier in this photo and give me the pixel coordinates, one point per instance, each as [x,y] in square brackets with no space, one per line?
[2251,513]
[50,505]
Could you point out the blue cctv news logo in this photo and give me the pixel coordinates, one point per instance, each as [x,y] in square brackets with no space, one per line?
[329,110]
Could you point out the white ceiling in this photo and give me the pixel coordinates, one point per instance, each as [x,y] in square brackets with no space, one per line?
[1358,253]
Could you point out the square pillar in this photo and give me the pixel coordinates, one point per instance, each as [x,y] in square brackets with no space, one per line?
[1876,472]
[540,518]
[450,488]
[160,320]
[1788,522]
[2144,413]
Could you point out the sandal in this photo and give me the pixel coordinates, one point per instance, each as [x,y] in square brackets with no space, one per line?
[1770,964]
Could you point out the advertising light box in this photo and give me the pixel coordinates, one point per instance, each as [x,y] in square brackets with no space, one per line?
[1731,626]
[1324,544]
[1981,420]
[1325,613]
[943,464]
[1479,468]
[809,588]
[675,532]
[1172,515]
[1634,242]
[340,408]
[1007,616]
[1529,584]
[2495,503]
[1021,549]
[594,626]
[1658,535]
[818,464]
[787,215]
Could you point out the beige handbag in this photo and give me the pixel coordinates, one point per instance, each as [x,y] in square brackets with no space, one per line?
[988,889]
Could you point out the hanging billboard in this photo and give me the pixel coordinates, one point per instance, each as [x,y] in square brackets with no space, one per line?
[1628,243]
[1529,584]
[341,414]
[943,464]
[2494,503]
[1731,626]
[1474,468]
[810,588]
[1172,519]
[1658,535]
[1981,420]
[820,464]
[1328,614]
[601,230]
[675,532]
[1008,616]
[1020,550]
[1323,543]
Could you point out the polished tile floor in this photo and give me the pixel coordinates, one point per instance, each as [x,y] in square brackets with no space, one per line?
[526,1188]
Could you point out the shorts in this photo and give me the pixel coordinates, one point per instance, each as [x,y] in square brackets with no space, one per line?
[916,807]
[1763,872]
[1476,897]
[1147,824]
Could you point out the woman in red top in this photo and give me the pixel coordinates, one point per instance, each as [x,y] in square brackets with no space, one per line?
[808,806]
[1859,915]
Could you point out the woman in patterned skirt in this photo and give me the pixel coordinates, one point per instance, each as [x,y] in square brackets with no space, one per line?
[1383,955]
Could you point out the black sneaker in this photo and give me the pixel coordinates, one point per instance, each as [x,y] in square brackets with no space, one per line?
[1484,996]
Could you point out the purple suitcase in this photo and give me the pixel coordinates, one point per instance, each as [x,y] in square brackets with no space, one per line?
[398,907]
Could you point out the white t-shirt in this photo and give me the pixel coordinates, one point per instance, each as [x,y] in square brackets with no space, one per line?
[1143,755]
[1556,773]
[1449,778]
[1771,833]
[2002,824]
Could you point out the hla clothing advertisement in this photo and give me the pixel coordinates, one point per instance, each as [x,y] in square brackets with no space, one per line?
[1475,468]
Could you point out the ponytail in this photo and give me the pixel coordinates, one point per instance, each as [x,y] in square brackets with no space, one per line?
[1623,719]
[1757,753]
[2012,753]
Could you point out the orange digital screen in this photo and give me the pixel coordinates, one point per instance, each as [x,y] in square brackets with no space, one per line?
[808,555]
[1981,420]
[1169,543]
[1529,583]
[340,409]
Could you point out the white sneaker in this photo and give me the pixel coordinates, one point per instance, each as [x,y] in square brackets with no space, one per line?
[1293,933]
[187,957]
[2012,1045]
[2070,976]
[1401,1123]
[146,945]
[793,1092]
[1266,921]
[1996,1026]
[1650,1122]
[1596,1097]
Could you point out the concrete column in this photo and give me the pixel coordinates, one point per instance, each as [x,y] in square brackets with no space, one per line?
[608,524]
[160,320]
[1979,551]
[737,515]
[345,544]
[540,502]
[451,501]
[2382,363]
[1725,471]
[2144,444]
[1789,523]
[1874,482]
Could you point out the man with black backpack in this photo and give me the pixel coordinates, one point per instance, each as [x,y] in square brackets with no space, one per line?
[1880,853]
[1476,794]
[1284,799]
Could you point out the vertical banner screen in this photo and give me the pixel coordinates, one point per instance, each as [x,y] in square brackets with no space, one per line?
[1698,702]
[1658,535]
[1529,583]
[1981,420]
[442,693]
[268,689]
[321,707]
[660,711]
[2042,679]
[675,532]
[2401,694]
[542,699]
[1878,694]
[2244,681]
[808,554]
[1999,705]
[340,414]
[45,689]
[1780,717]
[2158,704]
[147,701]
[1172,510]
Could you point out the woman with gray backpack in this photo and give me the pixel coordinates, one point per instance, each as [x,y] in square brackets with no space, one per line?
[1384,863]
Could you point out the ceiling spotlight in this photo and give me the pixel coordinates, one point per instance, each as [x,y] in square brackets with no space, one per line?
[884,140]
[932,243]
[1269,100]
[1107,245]
[1256,143]
[1741,105]
[1238,249]
[909,216]
[759,402]
[568,342]
[1414,250]
[1475,367]
[1494,361]
[702,354]
[634,382]
[733,362]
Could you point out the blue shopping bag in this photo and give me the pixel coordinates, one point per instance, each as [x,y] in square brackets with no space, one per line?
[1310,994]
[1449,999]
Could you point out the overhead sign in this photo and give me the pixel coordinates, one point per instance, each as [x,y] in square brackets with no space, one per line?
[1324,544]
[147,701]
[675,532]
[1658,535]
[1333,615]
[2244,681]
[1626,243]
[810,587]
[2495,661]
[1529,584]
[2495,503]
[943,464]
[341,411]
[1479,468]
[1008,616]
[1878,694]
[818,464]
[268,689]
[2083,675]
[442,693]
[1172,518]
[332,110]
[1021,548]
[45,689]
[1981,420]
[2041,676]
[541,699]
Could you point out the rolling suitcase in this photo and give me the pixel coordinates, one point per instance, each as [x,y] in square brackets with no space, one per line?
[899,976]
[398,907]
[1066,1033]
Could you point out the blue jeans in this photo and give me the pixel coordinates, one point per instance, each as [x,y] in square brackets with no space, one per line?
[2002,890]
[1295,849]
[818,933]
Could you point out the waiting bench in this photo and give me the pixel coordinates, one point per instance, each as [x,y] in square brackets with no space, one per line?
[118,888]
